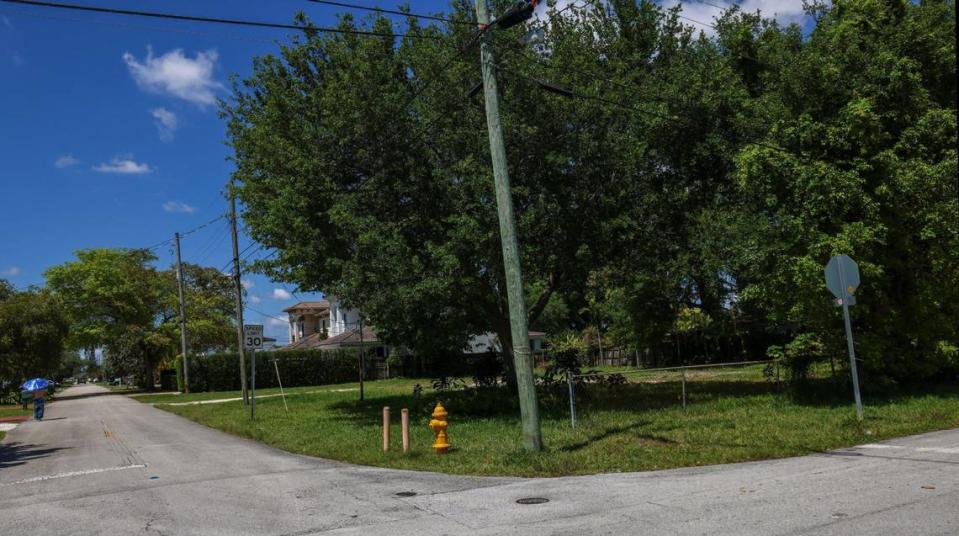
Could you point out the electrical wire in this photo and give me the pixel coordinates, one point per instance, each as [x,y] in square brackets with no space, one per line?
[210,247]
[285,320]
[28,12]
[393,12]
[215,20]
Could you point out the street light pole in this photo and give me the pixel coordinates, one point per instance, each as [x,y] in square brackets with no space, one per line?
[522,362]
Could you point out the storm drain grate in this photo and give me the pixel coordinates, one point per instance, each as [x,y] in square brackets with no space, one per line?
[532,500]
[406,494]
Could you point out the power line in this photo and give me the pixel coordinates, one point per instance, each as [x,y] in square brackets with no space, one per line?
[171,240]
[214,20]
[201,226]
[266,314]
[210,247]
[393,12]
[26,12]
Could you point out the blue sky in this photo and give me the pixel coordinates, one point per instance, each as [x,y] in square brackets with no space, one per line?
[111,136]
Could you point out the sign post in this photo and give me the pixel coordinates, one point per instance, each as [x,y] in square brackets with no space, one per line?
[842,279]
[253,341]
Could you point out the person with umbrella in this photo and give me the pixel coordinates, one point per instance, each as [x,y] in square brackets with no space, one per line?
[37,386]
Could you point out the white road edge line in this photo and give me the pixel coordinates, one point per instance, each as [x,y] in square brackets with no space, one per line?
[74,473]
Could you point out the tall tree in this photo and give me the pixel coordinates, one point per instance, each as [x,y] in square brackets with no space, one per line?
[866,114]
[390,206]
[33,331]
[113,298]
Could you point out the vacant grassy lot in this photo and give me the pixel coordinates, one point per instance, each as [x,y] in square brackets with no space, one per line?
[733,415]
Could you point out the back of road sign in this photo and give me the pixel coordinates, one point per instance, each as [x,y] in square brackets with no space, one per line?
[842,277]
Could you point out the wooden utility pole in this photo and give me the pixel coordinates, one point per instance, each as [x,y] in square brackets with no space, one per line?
[179,284]
[238,290]
[522,361]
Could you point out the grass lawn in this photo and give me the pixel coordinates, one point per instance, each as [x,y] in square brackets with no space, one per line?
[12,411]
[733,415]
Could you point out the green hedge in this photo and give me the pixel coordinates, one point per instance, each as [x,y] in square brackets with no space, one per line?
[219,372]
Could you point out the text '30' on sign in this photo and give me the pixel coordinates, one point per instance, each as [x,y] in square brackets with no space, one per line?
[253,336]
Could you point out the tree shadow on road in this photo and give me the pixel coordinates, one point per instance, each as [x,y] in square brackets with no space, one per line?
[13,454]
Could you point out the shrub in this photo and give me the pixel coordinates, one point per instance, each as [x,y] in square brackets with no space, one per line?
[218,372]
[798,355]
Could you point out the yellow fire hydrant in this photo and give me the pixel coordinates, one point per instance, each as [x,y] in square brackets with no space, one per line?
[438,425]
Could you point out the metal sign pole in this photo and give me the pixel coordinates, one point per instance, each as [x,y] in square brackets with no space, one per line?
[252,384]
[852,349]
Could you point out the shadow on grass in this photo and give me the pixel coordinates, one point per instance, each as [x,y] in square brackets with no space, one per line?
[616,430]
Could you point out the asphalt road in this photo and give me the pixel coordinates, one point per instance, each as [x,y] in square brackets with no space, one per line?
[105,464]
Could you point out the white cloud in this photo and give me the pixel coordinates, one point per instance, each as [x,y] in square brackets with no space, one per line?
[785,11]
[64,161]
[124,165]
[255,299]
[177,75]
[177,206]
[11,271]
[247,283]
[166,122]
[280,294]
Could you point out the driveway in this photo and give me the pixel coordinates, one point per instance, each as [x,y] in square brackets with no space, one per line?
[105,464]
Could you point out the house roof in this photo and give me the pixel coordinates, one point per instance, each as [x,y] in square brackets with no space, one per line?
[351,338]
[306,342]
[308,307]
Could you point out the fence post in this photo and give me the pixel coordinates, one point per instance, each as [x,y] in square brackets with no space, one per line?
[684,389]
[572,400]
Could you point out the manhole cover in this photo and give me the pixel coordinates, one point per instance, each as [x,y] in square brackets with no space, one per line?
[406,494]
[532,500]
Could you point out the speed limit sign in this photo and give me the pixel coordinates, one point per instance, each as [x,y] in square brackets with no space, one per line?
[253,336]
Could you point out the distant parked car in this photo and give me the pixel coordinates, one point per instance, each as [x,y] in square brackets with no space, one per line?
[117,381]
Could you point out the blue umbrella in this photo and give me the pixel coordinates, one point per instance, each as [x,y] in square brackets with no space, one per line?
[36,384]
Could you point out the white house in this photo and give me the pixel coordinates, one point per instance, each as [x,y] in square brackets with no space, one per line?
[329,324]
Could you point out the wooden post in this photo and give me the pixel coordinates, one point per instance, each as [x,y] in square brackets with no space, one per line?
[684,389]
[405,425]
[386,428]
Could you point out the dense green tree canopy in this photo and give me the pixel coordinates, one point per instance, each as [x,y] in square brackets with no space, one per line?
[689,177]
[117,299]
[33,331]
